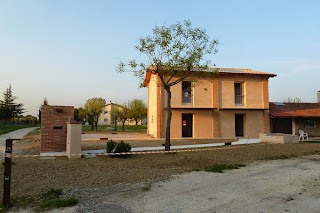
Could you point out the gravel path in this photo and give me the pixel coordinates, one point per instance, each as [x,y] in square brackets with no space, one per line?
[264,186]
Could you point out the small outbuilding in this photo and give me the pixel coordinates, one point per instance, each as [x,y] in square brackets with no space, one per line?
[289,118]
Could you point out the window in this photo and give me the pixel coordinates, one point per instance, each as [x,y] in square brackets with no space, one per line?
[186,92]
[310,124]
[105,120]
[238,93]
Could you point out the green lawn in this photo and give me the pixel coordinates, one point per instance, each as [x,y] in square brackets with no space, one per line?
[108,128]
[9,128]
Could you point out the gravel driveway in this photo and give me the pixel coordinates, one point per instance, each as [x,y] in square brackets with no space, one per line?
[264,186]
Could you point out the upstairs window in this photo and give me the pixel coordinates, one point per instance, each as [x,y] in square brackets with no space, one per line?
[186,92]
[238,93]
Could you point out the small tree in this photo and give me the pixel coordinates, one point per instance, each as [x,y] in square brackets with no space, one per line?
[122,113]
[45,103]
[174,52]
[8,108]
[137,110]
[93,108]
[293,100]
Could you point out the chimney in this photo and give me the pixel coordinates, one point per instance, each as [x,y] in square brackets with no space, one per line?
[318,96]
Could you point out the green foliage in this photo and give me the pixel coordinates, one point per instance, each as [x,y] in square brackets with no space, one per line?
[110,146]
[121,112]
[293,100]
[8,108]
[52,199]
[58,203]
[3,208]
[122,147]
[220,168]
[175,53]
[281,157]
[93,108]
[114,147]
[52,194]
[110,128]
[137,110]
[9,128]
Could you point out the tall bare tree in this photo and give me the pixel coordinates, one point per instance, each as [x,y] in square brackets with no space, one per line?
[174,53]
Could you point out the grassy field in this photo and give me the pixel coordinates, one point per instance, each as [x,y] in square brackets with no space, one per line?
[109,128]
[5,129]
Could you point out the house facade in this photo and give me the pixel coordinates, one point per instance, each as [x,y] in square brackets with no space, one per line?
[233,104]
[289,118]
[107,116]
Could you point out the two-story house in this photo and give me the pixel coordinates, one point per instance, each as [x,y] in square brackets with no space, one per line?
[108,114]
[233,104]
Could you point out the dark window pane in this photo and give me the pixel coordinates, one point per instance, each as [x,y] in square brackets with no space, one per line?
[186,92]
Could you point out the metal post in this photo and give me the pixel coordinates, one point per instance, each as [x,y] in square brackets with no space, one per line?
[7,172]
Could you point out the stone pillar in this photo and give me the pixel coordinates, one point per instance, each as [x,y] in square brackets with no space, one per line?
[73,140]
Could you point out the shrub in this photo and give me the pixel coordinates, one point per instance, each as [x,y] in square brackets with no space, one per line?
[122,147]
[110,146]
[114,147]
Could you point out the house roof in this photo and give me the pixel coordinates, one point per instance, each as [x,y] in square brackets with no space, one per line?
[294,109]
[219,70]
[242,71]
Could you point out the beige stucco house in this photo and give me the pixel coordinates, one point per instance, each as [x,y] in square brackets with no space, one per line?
[107,116]
[233,104]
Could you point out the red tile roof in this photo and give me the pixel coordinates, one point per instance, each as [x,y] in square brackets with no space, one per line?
[294,109]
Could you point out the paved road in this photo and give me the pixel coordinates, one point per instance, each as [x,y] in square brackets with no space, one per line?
[20,133]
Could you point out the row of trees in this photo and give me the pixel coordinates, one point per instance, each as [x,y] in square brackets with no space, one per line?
[9,108]
[135,109]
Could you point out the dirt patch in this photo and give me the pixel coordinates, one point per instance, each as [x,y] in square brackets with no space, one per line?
[33,175]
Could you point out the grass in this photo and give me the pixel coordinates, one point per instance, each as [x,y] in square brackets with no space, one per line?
[110,128]
[9,128]
[220,168]
[280,157]
[58,203]
[48,200]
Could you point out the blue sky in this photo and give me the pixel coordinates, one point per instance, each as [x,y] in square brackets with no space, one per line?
[67,51]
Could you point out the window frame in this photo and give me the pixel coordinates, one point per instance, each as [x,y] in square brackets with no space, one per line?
[237,101]
[187,100]
[310,124]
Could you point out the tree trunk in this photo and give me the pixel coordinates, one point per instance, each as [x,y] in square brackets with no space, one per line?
[96,125]
[167,143]
[123,122]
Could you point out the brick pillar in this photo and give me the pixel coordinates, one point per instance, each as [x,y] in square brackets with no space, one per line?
[54,127]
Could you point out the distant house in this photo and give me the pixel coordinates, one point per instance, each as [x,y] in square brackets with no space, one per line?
[107,116]
[233,104]
[289,118]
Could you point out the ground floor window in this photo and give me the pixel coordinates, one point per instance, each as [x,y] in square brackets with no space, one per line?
[310,124]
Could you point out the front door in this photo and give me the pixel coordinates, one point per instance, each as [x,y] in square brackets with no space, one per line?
[187,125]
[239,125]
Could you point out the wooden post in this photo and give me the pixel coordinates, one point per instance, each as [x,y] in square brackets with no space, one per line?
[7,172]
